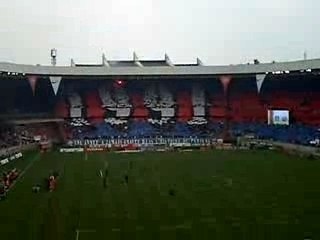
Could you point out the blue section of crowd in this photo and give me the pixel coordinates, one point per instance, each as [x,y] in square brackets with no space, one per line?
[294,133]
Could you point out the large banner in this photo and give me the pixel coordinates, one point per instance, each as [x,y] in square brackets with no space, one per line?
[55,83]
[33,82]
[225,80]
[76,112]
[259,80]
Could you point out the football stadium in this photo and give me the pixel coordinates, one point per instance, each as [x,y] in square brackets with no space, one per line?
[149,149]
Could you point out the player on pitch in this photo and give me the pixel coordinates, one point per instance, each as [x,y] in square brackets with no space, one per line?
[105,177]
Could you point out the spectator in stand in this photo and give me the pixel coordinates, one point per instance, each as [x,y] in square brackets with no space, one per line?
[10,137]
[2,191]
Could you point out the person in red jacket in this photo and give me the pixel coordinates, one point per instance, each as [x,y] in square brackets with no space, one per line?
[7,180]
[13,175]
[52,183]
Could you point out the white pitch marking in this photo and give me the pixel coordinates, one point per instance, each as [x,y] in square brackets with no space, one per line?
[77,234]
[83,231]
[86,230]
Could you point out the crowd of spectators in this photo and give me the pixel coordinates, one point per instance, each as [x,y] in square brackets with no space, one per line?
[13,136]
[8,138]
[165,127]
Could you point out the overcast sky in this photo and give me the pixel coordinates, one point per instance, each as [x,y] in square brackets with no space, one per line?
[217,31]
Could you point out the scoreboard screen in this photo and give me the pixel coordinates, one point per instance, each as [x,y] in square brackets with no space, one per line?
[278,117]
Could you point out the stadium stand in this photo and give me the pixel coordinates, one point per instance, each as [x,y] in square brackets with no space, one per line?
[179,106]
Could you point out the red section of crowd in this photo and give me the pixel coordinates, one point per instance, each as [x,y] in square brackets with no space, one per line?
[9,177]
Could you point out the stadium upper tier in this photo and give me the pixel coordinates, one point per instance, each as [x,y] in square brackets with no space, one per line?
[157,68]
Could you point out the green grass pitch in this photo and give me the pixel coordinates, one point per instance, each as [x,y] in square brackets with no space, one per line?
[189,195]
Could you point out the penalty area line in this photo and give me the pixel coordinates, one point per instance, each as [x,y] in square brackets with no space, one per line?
[78,231]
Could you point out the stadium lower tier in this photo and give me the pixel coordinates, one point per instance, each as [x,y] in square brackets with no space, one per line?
[79,130]
[294,133]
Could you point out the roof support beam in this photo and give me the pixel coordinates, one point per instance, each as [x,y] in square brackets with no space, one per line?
[136,60]
[168,61]
[199,62]
[105,61]
[72,63]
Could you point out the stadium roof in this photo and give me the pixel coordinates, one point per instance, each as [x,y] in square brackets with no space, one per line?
[165,67]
